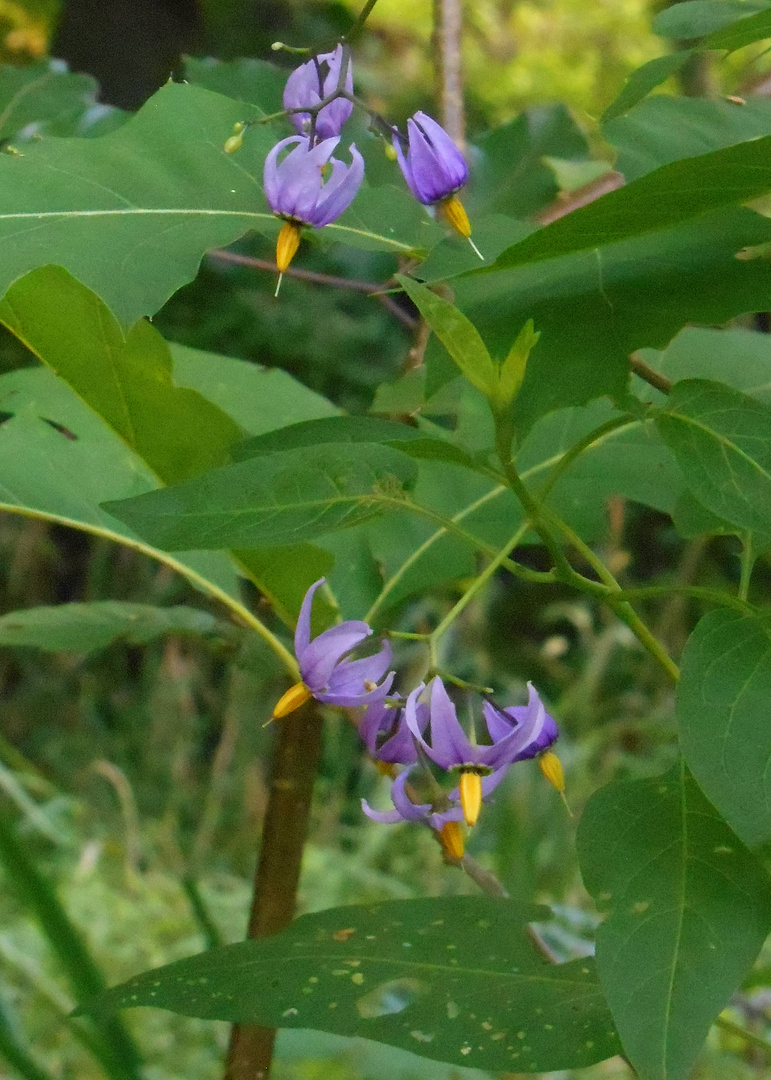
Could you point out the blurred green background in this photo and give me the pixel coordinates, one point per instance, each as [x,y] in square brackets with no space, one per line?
[138,775]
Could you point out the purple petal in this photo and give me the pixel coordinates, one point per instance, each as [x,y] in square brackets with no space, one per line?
[376,718]
[405,166]
[341,189]
[437,166]
[318,659]
[302,634]
[451,157]
[409,810]
[271,179]
[400,749]
[535,731]
[385,817]
[350,675]
[449,745]
[300,180]
[355,701]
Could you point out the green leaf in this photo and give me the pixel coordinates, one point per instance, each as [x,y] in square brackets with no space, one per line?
[126,380]
[280,498]
[90,627]
[722,713]
[60,461]
[456,979]
[335,429]
[741,33]
[688,908]
[511,177]
[722,441]
[458,335]
[696,18]
[112,210]
[255,82]
[665,129]
[45,96]
[669,196]
[258,399]
[512,370]
[646,78]
[594,308]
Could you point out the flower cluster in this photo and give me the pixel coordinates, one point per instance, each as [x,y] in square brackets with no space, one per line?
[421,728]
[307,187]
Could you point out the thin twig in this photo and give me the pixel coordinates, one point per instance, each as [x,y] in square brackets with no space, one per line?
[650,375]
[367,288]
[583,196]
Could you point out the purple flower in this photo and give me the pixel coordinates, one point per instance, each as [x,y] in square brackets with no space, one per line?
[530,727]
[516,734]
[326,673]
[386,735]
[309,84]
[433,166]
[295,187]
[406,810]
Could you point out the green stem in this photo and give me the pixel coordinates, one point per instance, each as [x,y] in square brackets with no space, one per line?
[579,448]
[747,564]
[748,1036]
[479,582]
[696,592]
[543,520]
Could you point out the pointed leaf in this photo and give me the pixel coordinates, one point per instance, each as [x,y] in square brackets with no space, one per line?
[90,627]
[281,498]
[688,910]
[458,335]
[722,712]
[455,979]
[696,18]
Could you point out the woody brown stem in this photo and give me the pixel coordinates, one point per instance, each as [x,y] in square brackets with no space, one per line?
[295,761]
[448,34]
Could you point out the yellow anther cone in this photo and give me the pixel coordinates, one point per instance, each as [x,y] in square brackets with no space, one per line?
[451,839]
[551,767]
[454,213]
[295,696]
[287,244]
[471,796]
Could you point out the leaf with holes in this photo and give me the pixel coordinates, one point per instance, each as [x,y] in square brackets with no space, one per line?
[722,441]
[456,979]
[722,713]
[688,908]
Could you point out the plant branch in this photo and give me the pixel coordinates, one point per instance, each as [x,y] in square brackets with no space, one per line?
[650,375]
[362,17]
[448,32]
[367,288]
[295,761]
[743,1033]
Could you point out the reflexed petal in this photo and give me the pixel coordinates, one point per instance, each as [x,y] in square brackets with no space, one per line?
[271,177]
[318,659]
[385,817]
[355,701]
[300,179]
[535,731]
[449,745]
[302,634]
[350,675]
[409,810]
[376,718]
[340,190]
